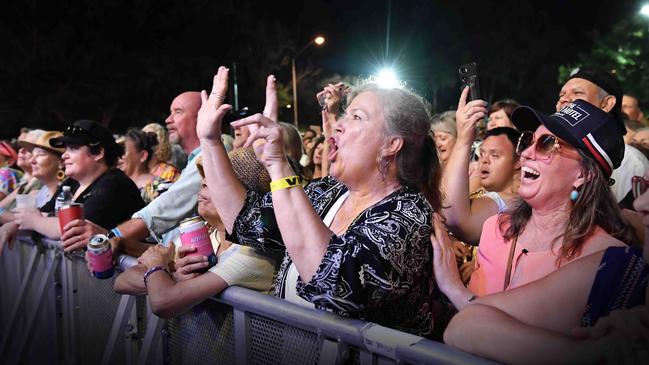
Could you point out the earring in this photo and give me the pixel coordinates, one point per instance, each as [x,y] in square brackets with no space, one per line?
[574,194]
[60,175]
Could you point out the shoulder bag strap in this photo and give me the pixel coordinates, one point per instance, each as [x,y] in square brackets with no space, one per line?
[510,260]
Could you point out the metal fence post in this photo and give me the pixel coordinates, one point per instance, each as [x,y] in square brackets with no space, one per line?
[41,290]
[119,325]
[32,264]
[241,329]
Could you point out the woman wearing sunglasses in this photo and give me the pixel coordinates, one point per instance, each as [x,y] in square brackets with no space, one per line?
[565,211]
[603,316]
[107,194]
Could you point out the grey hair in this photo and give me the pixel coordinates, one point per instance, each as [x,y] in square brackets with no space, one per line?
[445,122]
[292,141]
[601,94]
[406,116]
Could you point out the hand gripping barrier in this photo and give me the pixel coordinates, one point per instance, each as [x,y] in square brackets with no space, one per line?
[52,311]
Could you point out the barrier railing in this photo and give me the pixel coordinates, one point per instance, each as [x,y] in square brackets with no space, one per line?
[52,311]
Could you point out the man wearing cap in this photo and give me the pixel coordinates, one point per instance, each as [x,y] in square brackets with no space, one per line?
[603,90]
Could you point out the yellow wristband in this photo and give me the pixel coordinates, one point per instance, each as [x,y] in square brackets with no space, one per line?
[285,182]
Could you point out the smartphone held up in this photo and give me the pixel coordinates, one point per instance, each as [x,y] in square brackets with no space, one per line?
[469,78]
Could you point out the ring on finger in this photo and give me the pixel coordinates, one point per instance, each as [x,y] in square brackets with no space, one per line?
[218,96]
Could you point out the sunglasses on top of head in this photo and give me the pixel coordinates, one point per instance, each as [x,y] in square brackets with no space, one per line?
[76,131]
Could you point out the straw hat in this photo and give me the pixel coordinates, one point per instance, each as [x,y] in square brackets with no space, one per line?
[248,169]
[43,141]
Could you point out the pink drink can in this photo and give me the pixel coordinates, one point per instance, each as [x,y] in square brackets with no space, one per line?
[194,232]
[100,256]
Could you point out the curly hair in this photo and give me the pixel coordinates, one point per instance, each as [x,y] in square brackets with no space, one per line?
[163,150]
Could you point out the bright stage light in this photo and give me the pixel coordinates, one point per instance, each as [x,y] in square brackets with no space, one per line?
[387,79]
[645,10]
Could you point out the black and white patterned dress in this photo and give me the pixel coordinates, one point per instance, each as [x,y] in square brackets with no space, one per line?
[379,270]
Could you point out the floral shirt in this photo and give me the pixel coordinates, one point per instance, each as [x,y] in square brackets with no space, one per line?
[9,179]
[166,172]
[379,270]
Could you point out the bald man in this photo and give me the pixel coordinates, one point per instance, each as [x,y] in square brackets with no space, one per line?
[164,213]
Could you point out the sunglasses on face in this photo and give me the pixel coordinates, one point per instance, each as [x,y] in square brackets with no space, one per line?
[545,145]
[639,185]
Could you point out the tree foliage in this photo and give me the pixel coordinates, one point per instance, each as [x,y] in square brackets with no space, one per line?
[624,51]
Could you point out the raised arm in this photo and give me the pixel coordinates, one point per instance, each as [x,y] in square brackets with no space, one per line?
[331,97]
[303,233]
[463,219]
[230,195]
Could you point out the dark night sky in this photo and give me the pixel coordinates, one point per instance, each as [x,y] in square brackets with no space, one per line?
[123,61]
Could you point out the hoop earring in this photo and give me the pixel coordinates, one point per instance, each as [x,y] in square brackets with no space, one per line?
[60,175]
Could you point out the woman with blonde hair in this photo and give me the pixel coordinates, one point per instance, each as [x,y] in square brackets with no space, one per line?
[158,165]
[47,167]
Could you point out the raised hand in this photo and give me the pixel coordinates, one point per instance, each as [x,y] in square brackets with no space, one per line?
[266,139]
[331,97]
[467,115]
[213,108]
[265,131]
[271,109]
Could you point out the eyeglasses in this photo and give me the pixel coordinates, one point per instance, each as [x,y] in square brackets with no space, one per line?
[638,185]
[546,144]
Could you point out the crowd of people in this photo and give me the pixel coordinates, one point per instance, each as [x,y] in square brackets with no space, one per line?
[498,229]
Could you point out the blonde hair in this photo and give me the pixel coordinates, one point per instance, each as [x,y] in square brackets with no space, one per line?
[163,150]
[444,122]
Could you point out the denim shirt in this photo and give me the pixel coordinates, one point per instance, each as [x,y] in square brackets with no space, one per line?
[179,202]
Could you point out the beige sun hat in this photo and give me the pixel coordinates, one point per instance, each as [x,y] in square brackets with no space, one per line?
[248,169]
[43,141]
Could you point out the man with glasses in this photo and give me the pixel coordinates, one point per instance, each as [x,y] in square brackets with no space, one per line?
[605,92]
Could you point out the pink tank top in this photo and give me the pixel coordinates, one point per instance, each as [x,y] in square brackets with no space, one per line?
[491,264]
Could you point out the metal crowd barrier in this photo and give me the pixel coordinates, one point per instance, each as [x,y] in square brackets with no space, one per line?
[53,312]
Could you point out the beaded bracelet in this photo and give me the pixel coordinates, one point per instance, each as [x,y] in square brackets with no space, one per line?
[285,182]
[152,270]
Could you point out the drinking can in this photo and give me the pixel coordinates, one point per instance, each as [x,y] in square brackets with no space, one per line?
[100,256]
[194,232]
